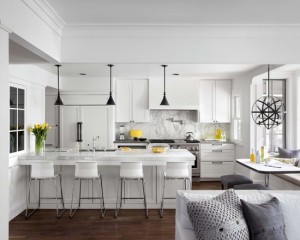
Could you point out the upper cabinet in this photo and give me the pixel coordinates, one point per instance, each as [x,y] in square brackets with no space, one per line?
[182,94]
[214,101]
[132,101]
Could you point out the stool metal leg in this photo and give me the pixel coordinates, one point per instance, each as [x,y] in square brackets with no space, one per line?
[71,209]
[28,201]
[101,197]
[120,184]
[58,215]
[162,200]
[145,201]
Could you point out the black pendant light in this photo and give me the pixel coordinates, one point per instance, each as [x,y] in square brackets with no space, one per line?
[268,111]
[164,101]
[58,101]
[110,100]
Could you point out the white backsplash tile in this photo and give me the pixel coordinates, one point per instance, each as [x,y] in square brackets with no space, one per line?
[160,125]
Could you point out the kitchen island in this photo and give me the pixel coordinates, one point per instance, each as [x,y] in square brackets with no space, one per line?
[108,162]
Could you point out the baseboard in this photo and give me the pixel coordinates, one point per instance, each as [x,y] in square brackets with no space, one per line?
[15,212]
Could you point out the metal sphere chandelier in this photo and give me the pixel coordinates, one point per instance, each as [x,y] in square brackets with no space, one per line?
[268,111]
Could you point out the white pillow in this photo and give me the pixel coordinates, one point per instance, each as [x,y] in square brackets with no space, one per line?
[254,197]
[290,205]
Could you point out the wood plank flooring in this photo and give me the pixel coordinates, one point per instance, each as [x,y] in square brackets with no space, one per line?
[87,224]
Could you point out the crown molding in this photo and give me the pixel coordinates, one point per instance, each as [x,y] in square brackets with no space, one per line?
[181,31]
[6,29]
[47,14]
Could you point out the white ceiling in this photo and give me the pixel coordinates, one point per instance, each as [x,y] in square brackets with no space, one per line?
[177,11]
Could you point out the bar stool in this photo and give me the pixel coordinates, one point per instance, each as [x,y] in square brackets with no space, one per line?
[87,170]
[40,171]
[130,171]
[174,170]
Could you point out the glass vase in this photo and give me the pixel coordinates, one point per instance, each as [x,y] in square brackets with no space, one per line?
[39,145]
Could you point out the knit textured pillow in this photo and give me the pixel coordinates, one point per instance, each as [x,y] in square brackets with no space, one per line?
[220,218]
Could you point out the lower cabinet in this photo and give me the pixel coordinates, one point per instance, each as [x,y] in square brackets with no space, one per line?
[217,159]
[216,169]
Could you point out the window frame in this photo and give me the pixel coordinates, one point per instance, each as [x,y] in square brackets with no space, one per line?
[18,86]
[238,119]
[283,97]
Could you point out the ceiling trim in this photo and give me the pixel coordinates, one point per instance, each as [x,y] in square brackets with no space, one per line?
[47,14]
[183,31]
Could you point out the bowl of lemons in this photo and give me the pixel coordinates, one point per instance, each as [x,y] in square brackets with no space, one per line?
[159,149]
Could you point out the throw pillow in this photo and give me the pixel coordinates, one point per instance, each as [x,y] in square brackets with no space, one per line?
[285,153]
[218,218]
[265,221]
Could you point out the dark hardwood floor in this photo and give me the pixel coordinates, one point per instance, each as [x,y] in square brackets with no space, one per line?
[87,224]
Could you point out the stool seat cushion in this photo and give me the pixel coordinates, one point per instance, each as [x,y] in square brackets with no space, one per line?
[232,180]
[250,186]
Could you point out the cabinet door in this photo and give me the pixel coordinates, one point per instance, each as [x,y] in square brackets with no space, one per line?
[69,116]
[206,101]
[223,100]
[123,101]
[140,106]
[94,123]
[216,169]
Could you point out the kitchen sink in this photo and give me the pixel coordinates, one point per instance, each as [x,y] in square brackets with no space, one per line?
[97,150]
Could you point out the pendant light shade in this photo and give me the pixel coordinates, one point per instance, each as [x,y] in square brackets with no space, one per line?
[164,101]
[268,111]
[110,99]
[58,101]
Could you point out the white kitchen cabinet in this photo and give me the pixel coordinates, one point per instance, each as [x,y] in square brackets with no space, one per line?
[96,121]
[132,101]
[217,159]
[182,94]
[214,101]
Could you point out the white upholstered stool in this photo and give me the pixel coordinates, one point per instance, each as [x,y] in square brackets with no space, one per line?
[174,170]
[41,171]
[130,171]
[87,170]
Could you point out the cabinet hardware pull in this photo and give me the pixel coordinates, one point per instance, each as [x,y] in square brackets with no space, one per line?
[216,162]
[217,150]
[216,144]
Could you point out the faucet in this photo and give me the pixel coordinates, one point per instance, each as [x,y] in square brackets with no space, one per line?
[94,146]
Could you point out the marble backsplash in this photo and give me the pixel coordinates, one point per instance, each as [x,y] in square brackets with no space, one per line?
[161,126]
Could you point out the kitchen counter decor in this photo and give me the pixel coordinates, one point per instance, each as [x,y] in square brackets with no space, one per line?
[40,133]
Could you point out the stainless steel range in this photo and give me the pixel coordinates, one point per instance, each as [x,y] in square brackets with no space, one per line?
[192,146]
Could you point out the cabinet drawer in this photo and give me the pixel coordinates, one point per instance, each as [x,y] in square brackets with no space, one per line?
[216,169]
[217,145]
[217,155]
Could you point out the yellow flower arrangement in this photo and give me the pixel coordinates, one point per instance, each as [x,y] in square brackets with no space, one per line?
[40,130]
[40,133]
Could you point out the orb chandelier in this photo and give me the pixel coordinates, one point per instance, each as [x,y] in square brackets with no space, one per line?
[268,111]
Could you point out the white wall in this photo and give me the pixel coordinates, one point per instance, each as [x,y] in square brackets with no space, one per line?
[241,86]
[4,137]
[34,80]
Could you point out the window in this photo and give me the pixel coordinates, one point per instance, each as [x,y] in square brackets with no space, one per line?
[275,137]
[17,119]
[237,121]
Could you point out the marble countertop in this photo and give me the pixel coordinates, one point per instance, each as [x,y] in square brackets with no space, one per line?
[111,158]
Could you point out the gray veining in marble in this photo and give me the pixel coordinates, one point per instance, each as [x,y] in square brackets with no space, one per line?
[161,126]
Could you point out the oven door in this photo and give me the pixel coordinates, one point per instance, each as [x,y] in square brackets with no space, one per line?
[196,166]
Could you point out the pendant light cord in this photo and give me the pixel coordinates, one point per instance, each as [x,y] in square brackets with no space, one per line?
[110,84]
[268,80]
[164,66]
[58,77]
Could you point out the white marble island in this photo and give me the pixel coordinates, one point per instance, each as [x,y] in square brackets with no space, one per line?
[108,162]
